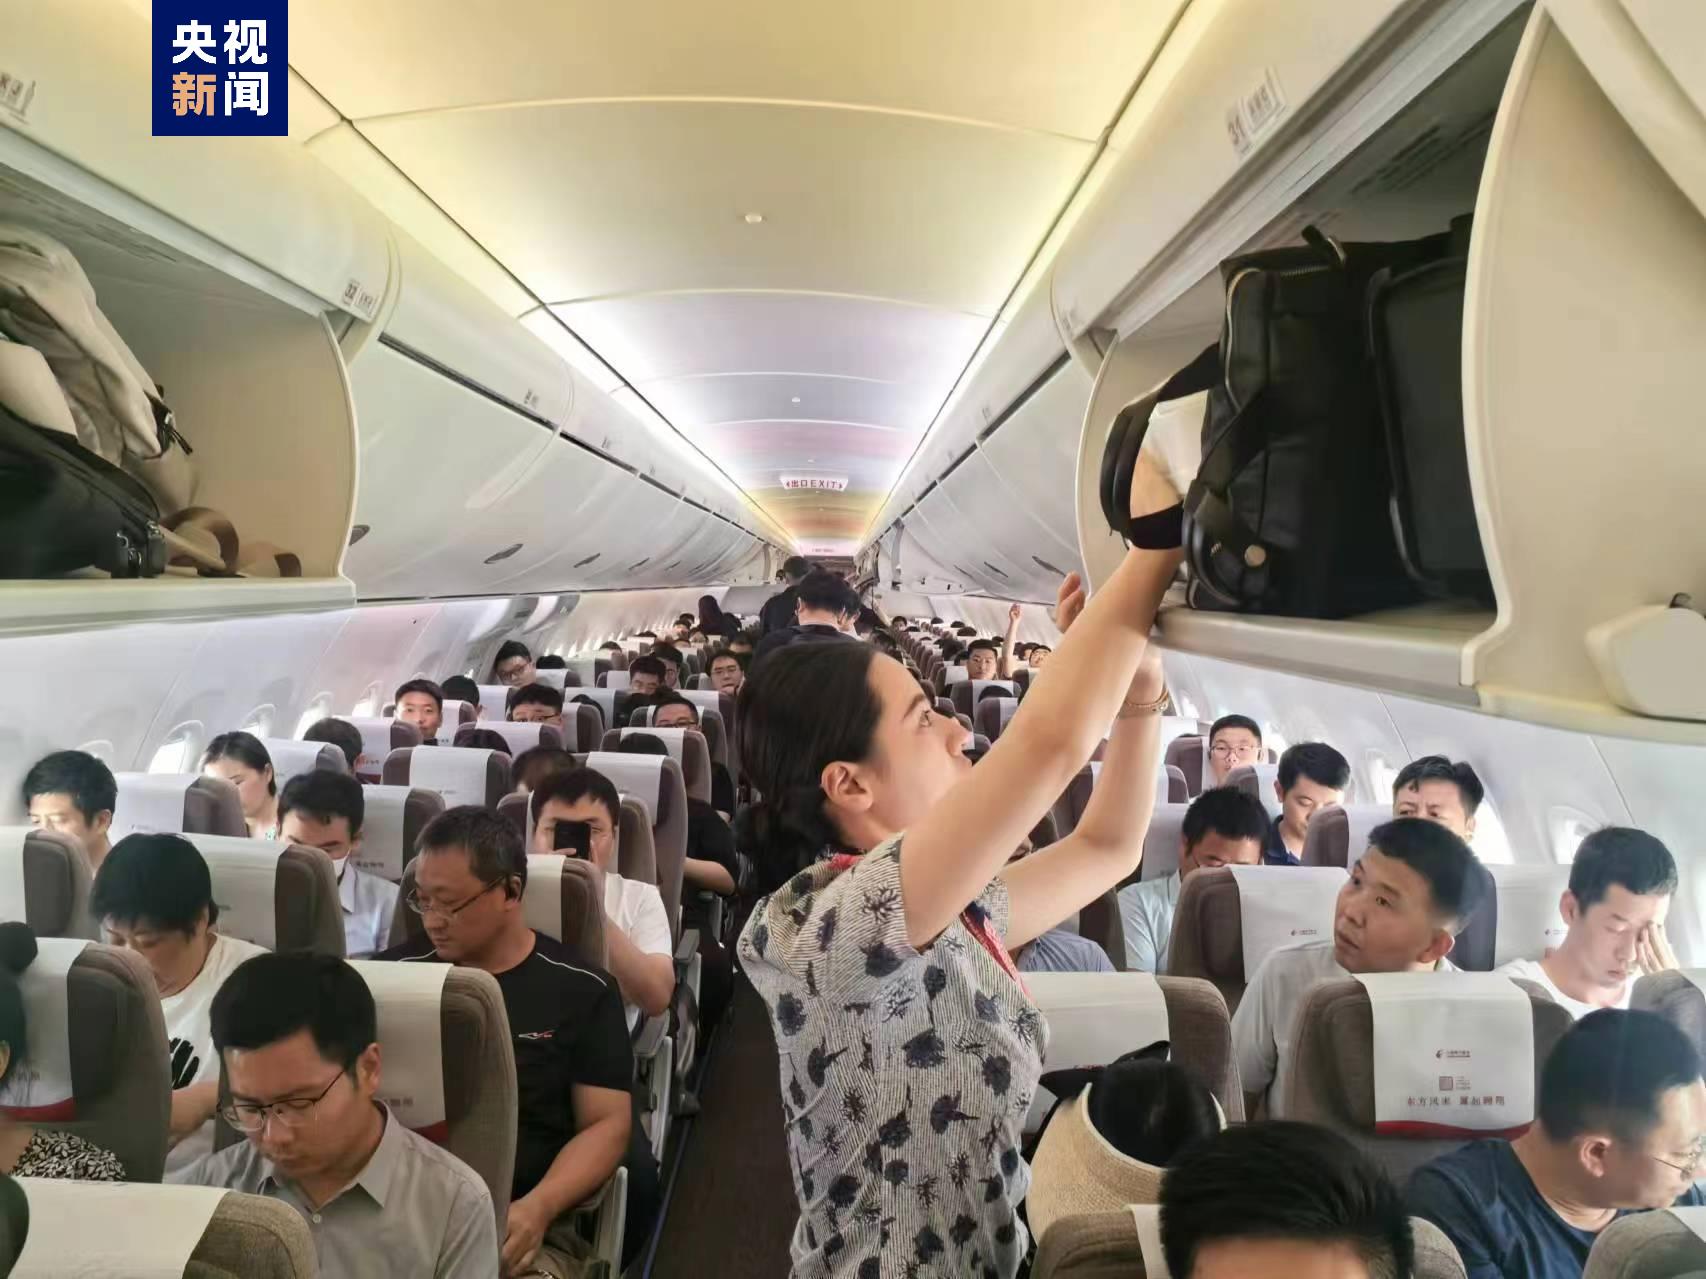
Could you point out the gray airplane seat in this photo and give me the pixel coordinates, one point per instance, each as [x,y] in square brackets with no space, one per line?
[992,715]
[379,737]
[1338,836]
[967,693]
[563,898]
[494,701]
[521,737]
[686,746]
[1185,754]
[657,782]
[1675,996]
[460,774]
[176,803]
[711,725]
[277,895]
[290,757]
[1668,1243]
[612,706]
[583,725]
[395,817]
[45,881]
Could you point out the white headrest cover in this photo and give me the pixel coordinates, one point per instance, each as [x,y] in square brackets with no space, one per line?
[407,997]
[1005,685]
[1005,708]
[291,757]
[670,737]
[1360,821]
[375,745]
[954,675]
[1266,776]
[12,870]
[1284,906]
[451,721]
[520,737]
[638,775]
[606,700]
[149,803]
[1092,1019]
[456,772]
[542,899]
[381,851]
[38,1086]
[1528,922]
[556,679]
[143,1231]
[245,879]
[1453,1053]
[615,679]
[705,699]
[493,699]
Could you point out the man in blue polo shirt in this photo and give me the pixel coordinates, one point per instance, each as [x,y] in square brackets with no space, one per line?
[1312,776]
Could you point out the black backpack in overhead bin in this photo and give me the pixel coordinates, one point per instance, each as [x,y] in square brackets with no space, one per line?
[1290,510]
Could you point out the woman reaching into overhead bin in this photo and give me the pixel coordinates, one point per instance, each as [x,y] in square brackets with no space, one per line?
[909,1049]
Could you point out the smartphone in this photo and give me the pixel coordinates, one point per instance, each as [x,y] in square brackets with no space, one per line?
[573,838]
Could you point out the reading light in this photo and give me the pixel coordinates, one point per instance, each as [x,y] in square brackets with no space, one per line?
[753,219]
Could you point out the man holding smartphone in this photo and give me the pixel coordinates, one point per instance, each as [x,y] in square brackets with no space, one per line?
[636,926]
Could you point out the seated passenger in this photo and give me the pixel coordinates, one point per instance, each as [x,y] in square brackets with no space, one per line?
[824,609]
[25,1150]
[421,702]
[240,759]
[1222,827]
[460,688]
[340,733]
[1282,1199]
[888,643]
[536,704]
[983,658]
[636,926]
[534,765]
[298,1035]
[1620,1125]
[1312,776]
[951,649]
[155,896]
[322,809]
[73,793]
[573,1066]
[673,663]
[552,662]
[1441,791]
[1620,889]
[486,739]
[610,646]
[1060,950]
[1036,655]
[645,676]
[1400,910]
[743,646]
[1233,741]
[514,665]
[727,672]
[675,711]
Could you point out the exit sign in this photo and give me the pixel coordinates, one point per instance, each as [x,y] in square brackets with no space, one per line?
[822,483]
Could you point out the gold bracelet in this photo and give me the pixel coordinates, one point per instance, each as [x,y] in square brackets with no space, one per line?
[1133,710]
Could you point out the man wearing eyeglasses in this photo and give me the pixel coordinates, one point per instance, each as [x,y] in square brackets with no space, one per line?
[1620,1125]
[1233,741]
[297,1036]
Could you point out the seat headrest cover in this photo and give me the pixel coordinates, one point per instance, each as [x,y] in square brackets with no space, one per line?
[614,680]
[407,997]
[670,737]
[954,675]
[38,1086]
[375,745]
[493,699]
[145,1231]
[1284,906]
[1093,1018]
[1528,921]
[456,714]
[638,775]
[1161,841]
[12,871]
[290,757]
[150,803]
[1453,1054]
[456,772]
[520,737]
[381,851]
[1693,1218]
[704,698]
[245,877]
[556,679]
[978,685]
[542,899]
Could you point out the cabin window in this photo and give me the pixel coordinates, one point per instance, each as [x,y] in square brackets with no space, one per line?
[1567,828]
[260,720]
[1381,775]
[101,749]
[317,710]
[1491,843]
[368,704]
[177,753]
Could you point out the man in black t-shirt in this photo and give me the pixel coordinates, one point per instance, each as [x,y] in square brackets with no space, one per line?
[574,1069]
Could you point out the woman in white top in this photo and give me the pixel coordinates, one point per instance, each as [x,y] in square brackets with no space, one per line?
[153,895]
[239,758]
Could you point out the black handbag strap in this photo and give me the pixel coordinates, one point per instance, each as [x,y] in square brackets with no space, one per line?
[1125,441]
[1209,505]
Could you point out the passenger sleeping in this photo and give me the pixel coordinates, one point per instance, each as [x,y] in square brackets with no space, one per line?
[1312,776]
[240,759]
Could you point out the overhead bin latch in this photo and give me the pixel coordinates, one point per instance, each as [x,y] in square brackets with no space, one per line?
[1652,660]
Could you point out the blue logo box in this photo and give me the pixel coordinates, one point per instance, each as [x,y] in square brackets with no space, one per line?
[221,68]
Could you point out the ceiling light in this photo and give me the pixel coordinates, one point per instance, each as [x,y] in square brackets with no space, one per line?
[796,399]
[753,219]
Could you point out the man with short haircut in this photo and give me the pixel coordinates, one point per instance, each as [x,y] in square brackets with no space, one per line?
[535,764]
[1400,910]
[154,896]
[825,608]
[73,794]
[727,672]
[573,1066]
[674,664]
[672,710]
[340,733]
[1620,1126]
[552,662]
[421,702]
[1312,776]
[1620,890]
[1442,791]
[322,809]
[778,610]
[982,658]
[460,688]
[298,1035]
[645,676]
[514,665]
[743,646]
[636,926]
[1233,741]
[536,704]
[1036,655]
[1222,827]
[1282,1199]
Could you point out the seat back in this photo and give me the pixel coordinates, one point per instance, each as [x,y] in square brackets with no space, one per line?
[711,726]
[460,774]
[1669,1243]
[200,1231]
[394,820]
[1339,836]
[1161,842]
[494,701]
[656,781]
[281,896]
[379,737]
[456,714]
[707,699]
[1519,919]
[44,881]
[583,725]
[1257,781]
[1208,929]
[613,679]
[587,668]
[612,706]
[1099,921]
[292,757]
[176,803]
[1676,996]
[965,694]
[1069,809]
[687,747]
[521,737]
[564,899]
[557,679]
[1330,1079]
[95,1064]
[992,714]
[1185,753]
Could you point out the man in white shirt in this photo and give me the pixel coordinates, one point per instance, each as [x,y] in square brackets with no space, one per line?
[154,895]
[1399,911]
[1222,827]
[1620,889]
[322,809]
[636,926]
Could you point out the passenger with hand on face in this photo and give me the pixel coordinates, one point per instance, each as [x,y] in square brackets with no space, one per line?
[1399,911]
[459,688]
[298,1036]
[1273,1199]
[574,1069]
[322,809]
[536,704]
[672,710]
[239,758]
[1434,788]
[421,702]
[1621,884]
[727,671]
[1312,776]
[514,665]
[1233,742]
[340,733]
[154,896]
[645,676]
[1620,1126]
[72,793]
[1222,827]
